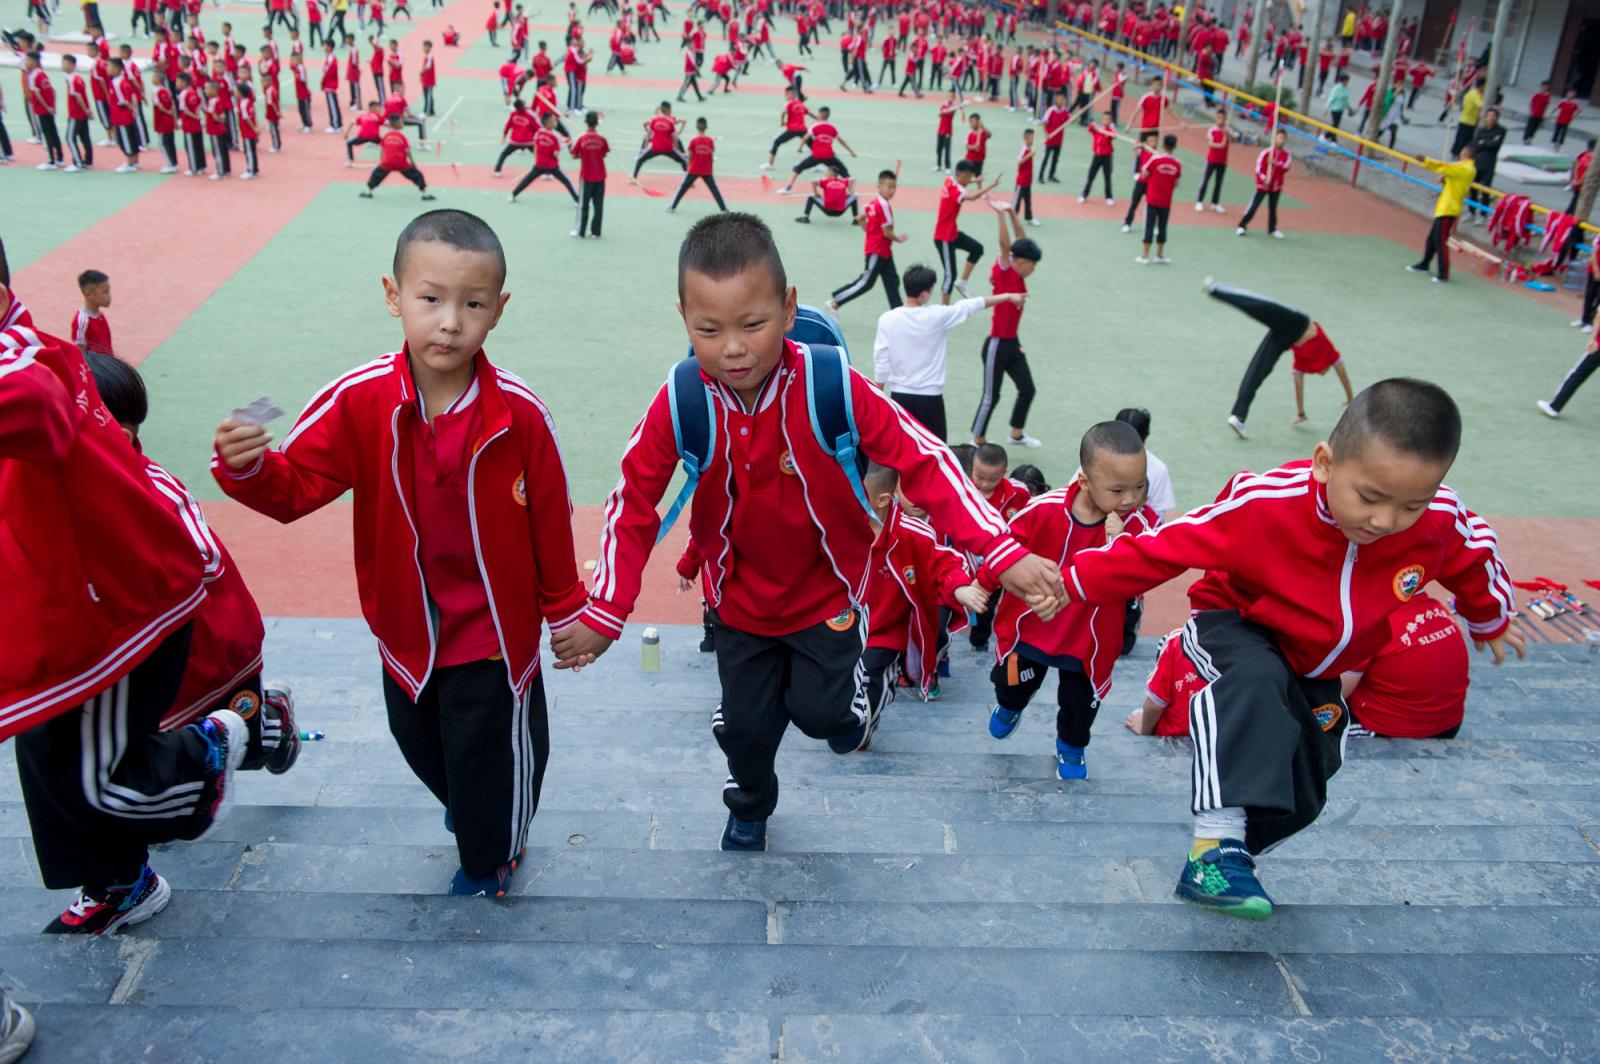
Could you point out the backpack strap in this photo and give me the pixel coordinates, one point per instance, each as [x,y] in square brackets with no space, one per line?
[694,430]
[833,419]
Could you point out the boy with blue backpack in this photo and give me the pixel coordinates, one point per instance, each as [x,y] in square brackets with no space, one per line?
[768,426]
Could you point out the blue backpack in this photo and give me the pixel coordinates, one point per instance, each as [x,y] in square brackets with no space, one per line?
[827,358]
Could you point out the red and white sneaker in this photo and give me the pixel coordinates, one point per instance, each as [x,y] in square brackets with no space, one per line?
[121,907]
[278,726]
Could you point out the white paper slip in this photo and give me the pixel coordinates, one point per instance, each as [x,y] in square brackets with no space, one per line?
[259,412]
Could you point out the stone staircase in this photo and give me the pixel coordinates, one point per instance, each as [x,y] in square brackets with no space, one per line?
[940,898]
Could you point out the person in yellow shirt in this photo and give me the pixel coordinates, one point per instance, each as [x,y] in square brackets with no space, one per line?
[1457,178]
[1347,31]
[1471,108]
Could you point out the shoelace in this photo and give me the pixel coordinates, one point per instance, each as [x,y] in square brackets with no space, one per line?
[82,905]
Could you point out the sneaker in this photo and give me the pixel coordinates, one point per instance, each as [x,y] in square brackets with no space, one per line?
[1023,441]
[428,197]
[188,173]
[1437,280]
[1110,202]
[1127,228]
[1219,208]
[492,885]
[784,191]
[1414,268]
[1003,721]
[218,177]
[366,193]
[330,129]
[936,169]
[247,176]
[1033,221]
[1162,260]
[1238,427]
[979,648]
[1223,879]
[228,738]
[449,822]
[745,835]
[857,738]
[1240,231]
[279,734]
[78,170]
[1083,199]
[52,166]
[768,166]
[1278,234]
[16,1029]
[934,693]
[803,220]
[121,907]
[1141,260]
[163,170]
[961,286]
[1208,284]
[943,669]
[1578,324]
[1070,763]
[1198,207]
[1549,411]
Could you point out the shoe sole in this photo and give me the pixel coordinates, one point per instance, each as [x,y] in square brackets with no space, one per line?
[152,906]
[20,1038]
[1257,909]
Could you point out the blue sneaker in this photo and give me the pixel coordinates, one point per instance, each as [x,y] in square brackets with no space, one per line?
[745,835]
[857,738]
[944,668]
[1070,763]
[449,822]
[493,885]
[1003,721]
[227,739]
[1223,879]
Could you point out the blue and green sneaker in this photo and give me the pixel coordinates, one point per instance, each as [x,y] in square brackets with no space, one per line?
[1223,879]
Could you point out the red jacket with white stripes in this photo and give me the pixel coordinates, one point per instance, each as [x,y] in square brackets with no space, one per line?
[1271,550]
[97,571]
[929,476]
[1090,632]
[928,575]
[349,437]
[225,648]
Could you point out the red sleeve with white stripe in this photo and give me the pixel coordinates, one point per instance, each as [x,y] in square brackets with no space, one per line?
[38,419]
[171,489]
[561,592]
[307,471]
[631,520]
[1132,564]
[931,477]
[1473,570]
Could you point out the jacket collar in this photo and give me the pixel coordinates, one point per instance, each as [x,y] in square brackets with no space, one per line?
[781,374]
[484,389]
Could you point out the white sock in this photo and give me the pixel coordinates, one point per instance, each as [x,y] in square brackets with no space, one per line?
[1224,823]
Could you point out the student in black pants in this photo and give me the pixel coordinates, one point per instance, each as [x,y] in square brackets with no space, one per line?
[1579,373]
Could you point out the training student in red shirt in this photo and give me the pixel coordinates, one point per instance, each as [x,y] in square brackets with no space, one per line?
[989,475]
[590,149]
[702,155]
[1161,172]
[1415,686]
[366,129]
[430,78]
[1303,567]
[546,159]
[820,140]
[1081,642]
[834,194]
[1055,131]
[911,577]
[245,118]
[1566,110]
[784,543]
[1217,140]
[1287,329]
[794,116]
[941,143]
[218,109]
[1023,198]
[394,156]
[79,141]
[1002,352]
[85,680]
[1538,107]
[463,534]
[517,134]
[1272,166]
[957,190]
[1167,690]
[191,111]
[977,141]
[89,329]
[164,119]
[1147,110]
[662,129]
[330,86]
[1102,140]
[877,222]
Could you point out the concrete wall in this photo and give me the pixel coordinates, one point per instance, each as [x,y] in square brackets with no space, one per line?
[1544,40]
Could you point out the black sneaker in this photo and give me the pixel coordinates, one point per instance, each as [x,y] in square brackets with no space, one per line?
[857,738]
[119,907]
[745,835]
[279,735]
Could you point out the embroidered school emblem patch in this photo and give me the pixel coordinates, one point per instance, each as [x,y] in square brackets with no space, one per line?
[1408,582]
[244,703]
[842,623]
[786,464]
[519,490]
[1328,715]
[910,573]
[1011,512]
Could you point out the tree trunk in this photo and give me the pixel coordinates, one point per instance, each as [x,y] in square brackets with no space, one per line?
[1391,45]
[1308,89]
[1586,192]
[1258,31]
[1502,16]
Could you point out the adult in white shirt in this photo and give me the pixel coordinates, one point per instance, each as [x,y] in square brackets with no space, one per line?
[911,348]
[1160,498]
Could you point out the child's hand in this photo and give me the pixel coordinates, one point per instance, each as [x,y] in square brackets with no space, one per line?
[240,443]
[1497,645]
[1038,583]
[1019,298]
[1114,525]
[973,597]
[684,583]
[578,646]
[1135,721]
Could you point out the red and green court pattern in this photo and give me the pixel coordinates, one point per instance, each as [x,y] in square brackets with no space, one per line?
[224,291]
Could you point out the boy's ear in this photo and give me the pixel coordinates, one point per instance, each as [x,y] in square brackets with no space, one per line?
[501,309]
[1321,462]
[790,305]
[391,296]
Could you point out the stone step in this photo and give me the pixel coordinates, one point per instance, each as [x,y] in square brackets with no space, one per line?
[852,980]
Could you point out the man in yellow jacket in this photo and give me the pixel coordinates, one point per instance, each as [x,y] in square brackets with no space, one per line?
[1457,177]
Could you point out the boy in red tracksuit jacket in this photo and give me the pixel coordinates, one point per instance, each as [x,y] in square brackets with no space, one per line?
[1008,497]
[1303,566]
[103,583]
[912,576]
[1272,166]
[785,542]
[1082,642]
[224,667]
[462,534]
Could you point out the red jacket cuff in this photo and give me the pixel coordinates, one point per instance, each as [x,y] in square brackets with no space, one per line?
[220,468]
[603,618]
[1001,553]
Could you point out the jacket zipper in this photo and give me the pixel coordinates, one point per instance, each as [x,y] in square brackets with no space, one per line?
[477,553]
[416,546]
[1345,613]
